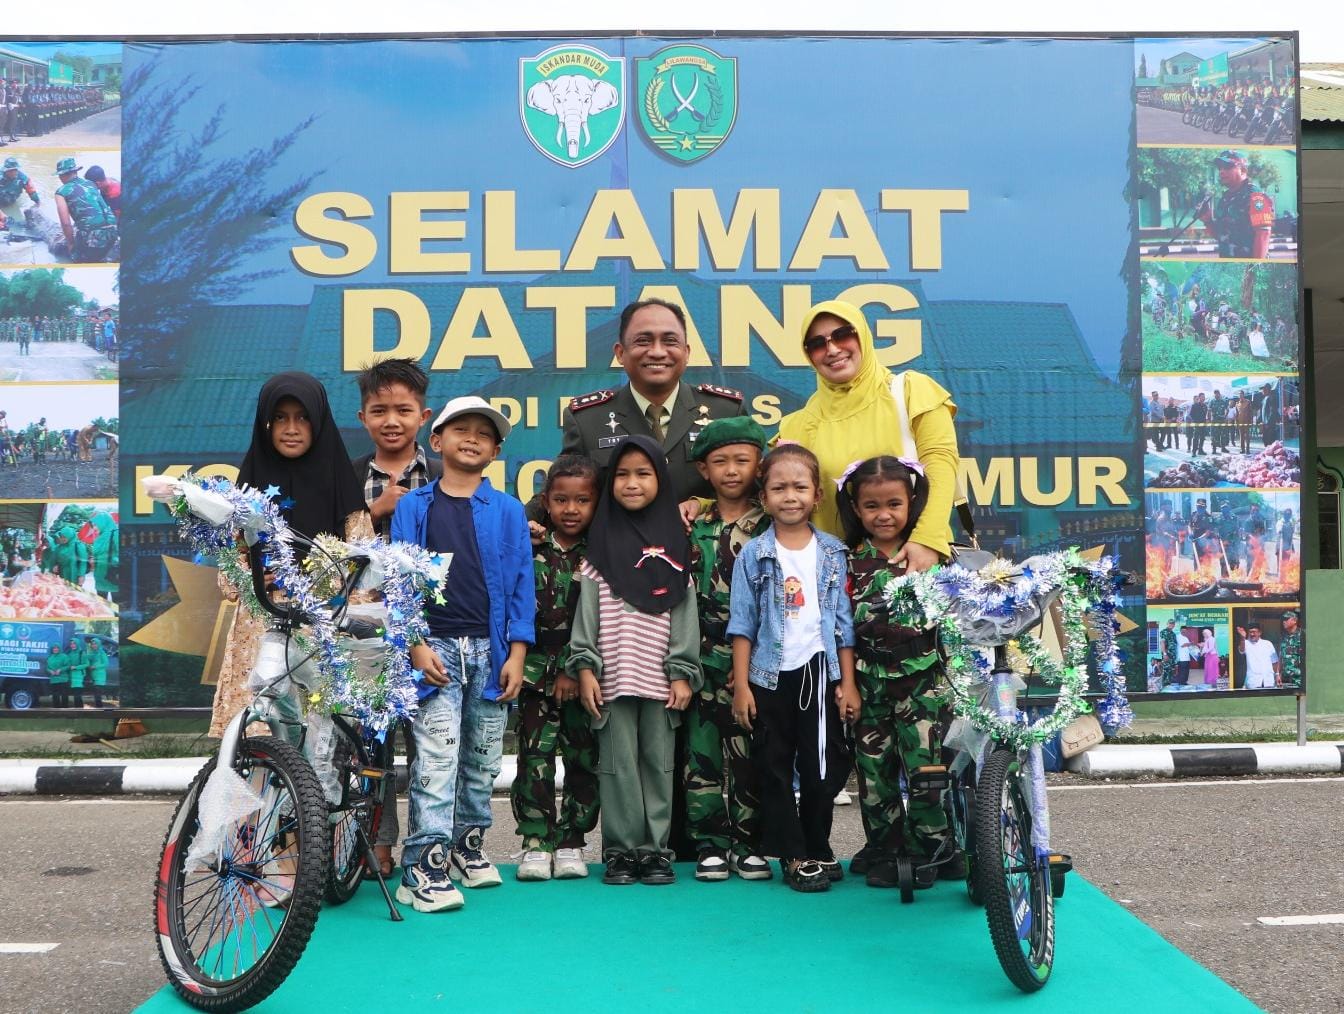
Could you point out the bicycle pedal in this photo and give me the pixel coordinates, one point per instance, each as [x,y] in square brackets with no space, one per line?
[930,778]
[376,773]
[1061,863]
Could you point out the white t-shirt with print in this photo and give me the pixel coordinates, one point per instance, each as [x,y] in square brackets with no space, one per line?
[802,615]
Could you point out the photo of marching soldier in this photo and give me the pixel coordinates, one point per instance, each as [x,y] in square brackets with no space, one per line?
[1196,91]
[58,324]
[1213,546]
[63,562]
[58,207]
[1210,317]
[1205,203]
[60,95]
[1222,432]
[58,440]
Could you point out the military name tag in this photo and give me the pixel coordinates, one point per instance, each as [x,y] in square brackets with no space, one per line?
[608,442]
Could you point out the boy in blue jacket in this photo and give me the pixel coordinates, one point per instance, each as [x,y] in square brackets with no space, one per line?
[473,659]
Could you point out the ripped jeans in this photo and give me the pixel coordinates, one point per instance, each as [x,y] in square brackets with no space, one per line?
[459,744]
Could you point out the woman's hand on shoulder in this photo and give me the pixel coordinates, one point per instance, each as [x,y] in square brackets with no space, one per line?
[917,558]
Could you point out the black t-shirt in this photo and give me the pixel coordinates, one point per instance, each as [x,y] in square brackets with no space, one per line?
[450,529]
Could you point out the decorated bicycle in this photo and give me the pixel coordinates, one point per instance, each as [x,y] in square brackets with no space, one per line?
[276,822]
[996,784]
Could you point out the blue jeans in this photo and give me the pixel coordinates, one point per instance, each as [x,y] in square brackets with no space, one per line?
[459,745]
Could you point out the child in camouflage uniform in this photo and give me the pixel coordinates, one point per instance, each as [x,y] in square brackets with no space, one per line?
[550,718]
[727,453]
[902,716]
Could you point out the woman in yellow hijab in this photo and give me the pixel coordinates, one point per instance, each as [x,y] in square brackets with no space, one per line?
[854,416]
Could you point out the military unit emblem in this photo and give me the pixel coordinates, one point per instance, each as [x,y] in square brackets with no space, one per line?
[572,100]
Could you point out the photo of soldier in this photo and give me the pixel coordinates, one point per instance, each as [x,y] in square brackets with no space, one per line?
[58,324]
[1196,91]
[1232,204]
[1215,317]
[34,451]
[55,215]
[88,224]
[1267,649]
[1220,547]
[61,94]
[1188,649]
[65,562]
[1196,408]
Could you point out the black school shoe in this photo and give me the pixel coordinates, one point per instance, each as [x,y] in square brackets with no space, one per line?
[622,868]
[656,868]
[833,870]
[863,859]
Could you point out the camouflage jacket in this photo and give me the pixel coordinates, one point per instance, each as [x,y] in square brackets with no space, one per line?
[883,648]
[1290,651]
[715,544]
[555,573]
[87,208]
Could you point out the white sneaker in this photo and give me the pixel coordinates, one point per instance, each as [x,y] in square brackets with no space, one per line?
[843,798]
[468,863]
[536,865]
[750,867]
[569,864]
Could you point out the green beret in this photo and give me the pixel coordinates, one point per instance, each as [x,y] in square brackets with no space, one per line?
[738,429]
[1291,614]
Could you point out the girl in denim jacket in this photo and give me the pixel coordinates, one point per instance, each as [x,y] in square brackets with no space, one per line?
[793,668]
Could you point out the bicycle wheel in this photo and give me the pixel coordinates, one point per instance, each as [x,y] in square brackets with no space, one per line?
[230,932]
[1016,887]
[361,807]
[961,804]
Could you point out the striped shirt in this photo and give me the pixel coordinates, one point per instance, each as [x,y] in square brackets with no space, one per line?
[632,645]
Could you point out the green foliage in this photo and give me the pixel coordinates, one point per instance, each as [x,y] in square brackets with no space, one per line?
[83,65]
[1188,172]
[151,678]
[110,425]
[41,292]
[1163,353]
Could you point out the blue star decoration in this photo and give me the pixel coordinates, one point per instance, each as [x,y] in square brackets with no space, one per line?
[271,492]
[286,503]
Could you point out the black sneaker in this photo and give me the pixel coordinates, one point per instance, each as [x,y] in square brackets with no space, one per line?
[622,868]
[954,868]
[712,865]
[656,868]
[858,866]
[882,871]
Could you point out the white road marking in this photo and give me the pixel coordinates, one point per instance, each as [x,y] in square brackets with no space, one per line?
[173,801]
[1191,785]
[1302,920]
[27,948]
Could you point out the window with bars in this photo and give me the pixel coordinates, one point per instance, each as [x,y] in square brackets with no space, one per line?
[1327,501]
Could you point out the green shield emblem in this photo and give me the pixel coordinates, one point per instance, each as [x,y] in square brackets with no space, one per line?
[687,100]
[572,102]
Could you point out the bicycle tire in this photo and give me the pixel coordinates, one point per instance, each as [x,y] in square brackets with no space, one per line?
[1019,907]
[962,805]
[359,808]
[293,804]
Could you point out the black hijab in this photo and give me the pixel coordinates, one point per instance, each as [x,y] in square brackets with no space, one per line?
[321,485]
[619,538]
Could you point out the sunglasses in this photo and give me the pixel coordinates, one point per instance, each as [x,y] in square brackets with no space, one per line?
[818,342]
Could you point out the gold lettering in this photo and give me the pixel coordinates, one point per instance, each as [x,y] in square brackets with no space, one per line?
[697,211]
[359,308]
[144,505]
[996,486]
[857,242]
[634,243]
[501,238]
[359,244]
[906,336]
[409,230]
[1031,484]
[926,222]
[571,304]
[741,312]
[1103,475]
[501,340]
[530,478]
[765,409]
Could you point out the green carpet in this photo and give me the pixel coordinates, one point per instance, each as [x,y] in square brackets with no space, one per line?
[580,946]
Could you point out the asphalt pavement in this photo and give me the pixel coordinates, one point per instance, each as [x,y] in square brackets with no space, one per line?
[1199,861]
[48,361]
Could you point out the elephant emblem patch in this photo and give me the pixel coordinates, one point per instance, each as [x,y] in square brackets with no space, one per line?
[572,102]
[686,100]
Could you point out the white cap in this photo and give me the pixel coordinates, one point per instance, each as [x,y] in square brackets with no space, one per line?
[472,405]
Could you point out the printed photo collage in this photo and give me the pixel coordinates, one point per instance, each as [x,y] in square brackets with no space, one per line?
[1218,292]
[60,245]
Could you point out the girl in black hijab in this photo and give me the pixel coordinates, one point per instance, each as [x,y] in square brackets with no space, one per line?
[297,449]
[635,650]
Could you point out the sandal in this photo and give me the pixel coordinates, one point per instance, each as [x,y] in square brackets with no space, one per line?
[806,876]
[383,853]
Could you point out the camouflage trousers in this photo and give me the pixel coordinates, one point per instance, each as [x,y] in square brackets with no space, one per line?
[900,720]
[546,730]
[718,763]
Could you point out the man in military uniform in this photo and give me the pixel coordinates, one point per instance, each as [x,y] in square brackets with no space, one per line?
[14,181]
[1290,650]
[1169,654]
[1243,216]
[655,403]
[1218,416]
[718,755]
[88,223]
[1201,521]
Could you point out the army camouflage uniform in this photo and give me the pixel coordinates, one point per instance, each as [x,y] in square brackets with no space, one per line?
[718,754]
[1239,212]
[546,728]
[902,714]
[95,225]
[1290,651]
[1169,649]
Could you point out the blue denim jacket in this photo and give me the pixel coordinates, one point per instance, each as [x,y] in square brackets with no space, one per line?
[506,561]
[756,609]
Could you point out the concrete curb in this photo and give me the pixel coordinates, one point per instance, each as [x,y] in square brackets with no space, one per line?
[170,775]
[1119,761]
[173,775]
